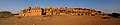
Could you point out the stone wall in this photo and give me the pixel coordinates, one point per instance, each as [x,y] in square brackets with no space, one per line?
[71,11]
[60,11]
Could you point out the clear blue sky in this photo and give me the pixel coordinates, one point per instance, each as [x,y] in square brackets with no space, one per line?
[104,5]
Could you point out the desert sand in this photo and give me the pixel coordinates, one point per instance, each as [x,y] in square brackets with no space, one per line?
[59,20]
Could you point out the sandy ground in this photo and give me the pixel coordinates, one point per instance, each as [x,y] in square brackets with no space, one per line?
[59,20]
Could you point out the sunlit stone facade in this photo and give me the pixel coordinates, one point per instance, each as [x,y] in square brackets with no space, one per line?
[36,11]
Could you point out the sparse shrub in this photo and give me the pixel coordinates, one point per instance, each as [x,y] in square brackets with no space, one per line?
[5,14]
[105,17]
[116,15]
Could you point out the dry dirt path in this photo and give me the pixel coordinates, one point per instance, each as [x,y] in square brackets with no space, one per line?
[7,21]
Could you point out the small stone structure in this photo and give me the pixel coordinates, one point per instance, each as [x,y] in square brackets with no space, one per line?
[36,11]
